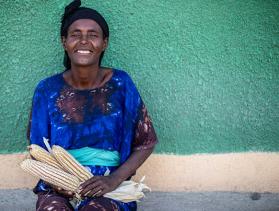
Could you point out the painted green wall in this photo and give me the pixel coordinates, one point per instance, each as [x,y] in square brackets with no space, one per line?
[207,70]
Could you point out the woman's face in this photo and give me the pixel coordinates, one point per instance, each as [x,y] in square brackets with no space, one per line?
[84,42]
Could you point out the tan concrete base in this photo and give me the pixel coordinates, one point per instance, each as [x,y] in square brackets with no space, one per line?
[11,174]
[257,172]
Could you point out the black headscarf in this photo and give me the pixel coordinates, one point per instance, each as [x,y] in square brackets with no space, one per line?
[74,12]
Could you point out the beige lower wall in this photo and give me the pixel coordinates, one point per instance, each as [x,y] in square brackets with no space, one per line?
[257,172]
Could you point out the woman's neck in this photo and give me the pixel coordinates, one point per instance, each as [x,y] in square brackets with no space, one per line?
[84,77]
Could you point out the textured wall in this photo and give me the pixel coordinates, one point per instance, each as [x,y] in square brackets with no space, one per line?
[207,70]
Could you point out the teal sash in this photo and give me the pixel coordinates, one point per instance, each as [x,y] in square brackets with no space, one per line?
[88,156]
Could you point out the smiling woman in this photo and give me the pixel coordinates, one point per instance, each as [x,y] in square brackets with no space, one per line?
[89,107]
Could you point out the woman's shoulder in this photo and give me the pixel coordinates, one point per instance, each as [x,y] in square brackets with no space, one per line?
[122,75]
[124,80]
[50,82]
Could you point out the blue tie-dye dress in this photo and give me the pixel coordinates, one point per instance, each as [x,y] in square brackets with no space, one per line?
[111,117]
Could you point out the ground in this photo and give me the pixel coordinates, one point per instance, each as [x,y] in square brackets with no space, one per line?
[24,200]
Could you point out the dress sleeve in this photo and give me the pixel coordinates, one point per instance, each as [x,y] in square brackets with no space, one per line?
[144,136]
[39,118]
[39,126]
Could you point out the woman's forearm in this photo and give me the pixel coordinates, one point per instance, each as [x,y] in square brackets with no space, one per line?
[128,168]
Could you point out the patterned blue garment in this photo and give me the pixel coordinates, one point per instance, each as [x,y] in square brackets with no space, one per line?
[111,117]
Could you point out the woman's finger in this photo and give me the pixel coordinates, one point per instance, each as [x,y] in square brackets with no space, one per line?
[94,191]
[61,190]
[89,181]
[99,193]
[66,193]
[90,187]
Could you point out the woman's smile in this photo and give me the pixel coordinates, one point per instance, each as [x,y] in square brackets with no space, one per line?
[84,52]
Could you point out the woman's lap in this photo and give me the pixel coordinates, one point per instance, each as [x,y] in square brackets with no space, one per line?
[100,203]
[52,201]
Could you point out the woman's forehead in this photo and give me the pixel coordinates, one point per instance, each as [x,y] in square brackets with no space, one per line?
[85,24]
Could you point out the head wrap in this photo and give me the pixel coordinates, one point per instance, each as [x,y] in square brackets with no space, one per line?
[74,12]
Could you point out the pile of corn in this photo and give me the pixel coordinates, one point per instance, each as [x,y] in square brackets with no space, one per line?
[61,169]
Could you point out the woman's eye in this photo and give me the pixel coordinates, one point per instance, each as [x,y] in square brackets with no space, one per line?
[74,35]
[92,35]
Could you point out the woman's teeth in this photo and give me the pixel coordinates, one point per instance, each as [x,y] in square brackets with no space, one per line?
[83,51]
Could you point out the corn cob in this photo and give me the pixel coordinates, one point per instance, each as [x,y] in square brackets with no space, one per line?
[70,163]
[128,191]
[44,156]
[51,174]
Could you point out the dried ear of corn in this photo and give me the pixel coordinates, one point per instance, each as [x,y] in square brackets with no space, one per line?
[128,191]
[70,164]
[44,156]
[51,174]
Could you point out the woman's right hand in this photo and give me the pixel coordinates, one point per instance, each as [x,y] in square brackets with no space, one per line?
[61,191]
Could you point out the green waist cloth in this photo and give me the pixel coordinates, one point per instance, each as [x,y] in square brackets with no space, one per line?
[88,156]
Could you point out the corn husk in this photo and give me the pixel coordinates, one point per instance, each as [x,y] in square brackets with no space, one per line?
[129,191]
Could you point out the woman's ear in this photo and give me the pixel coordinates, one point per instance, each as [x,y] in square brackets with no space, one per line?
[105,44]
[63,41]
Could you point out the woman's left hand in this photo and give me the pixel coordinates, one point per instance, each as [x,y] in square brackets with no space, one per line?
[98,186]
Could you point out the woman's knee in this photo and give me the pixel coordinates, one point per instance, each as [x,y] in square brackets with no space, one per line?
[100,203]
[52,202]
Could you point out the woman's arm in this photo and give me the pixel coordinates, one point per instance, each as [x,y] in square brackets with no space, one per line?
[99,185]
[128,168]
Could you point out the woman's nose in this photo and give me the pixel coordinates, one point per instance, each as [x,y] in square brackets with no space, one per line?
[84,39]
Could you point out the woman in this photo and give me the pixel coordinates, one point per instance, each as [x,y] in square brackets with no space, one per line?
[95,113]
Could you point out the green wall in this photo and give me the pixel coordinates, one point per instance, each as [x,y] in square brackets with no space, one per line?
[207,70]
